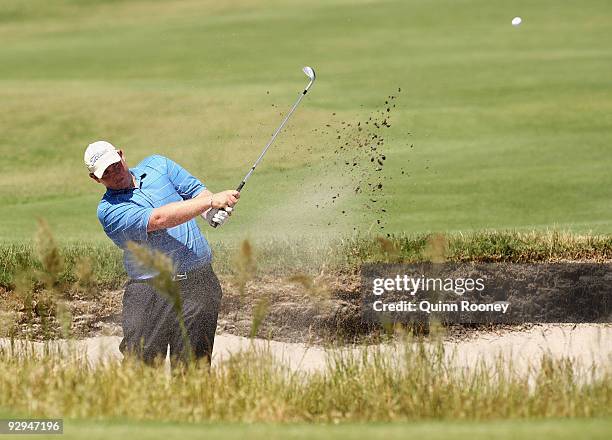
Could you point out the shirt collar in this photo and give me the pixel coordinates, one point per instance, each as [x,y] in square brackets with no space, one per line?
[138,176]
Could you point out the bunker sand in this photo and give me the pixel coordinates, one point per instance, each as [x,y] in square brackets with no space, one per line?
[586,344]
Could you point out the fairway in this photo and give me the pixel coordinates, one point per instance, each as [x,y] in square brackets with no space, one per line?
[510,126]
[544,430]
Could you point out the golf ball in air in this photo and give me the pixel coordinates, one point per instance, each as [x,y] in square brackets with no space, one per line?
[516,21]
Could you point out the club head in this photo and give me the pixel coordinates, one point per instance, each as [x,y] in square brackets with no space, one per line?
[310,73]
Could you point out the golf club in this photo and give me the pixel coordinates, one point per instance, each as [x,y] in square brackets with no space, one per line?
[310,73]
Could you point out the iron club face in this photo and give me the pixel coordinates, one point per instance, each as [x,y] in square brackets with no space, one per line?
[310,73]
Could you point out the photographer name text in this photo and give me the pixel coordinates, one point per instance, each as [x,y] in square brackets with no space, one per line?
[411,285]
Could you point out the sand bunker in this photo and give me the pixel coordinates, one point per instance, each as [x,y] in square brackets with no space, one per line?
[586,344]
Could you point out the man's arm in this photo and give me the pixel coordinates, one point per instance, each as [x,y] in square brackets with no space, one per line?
[205,194]
[176,213]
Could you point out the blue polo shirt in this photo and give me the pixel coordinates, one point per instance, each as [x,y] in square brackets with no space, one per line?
[124,215]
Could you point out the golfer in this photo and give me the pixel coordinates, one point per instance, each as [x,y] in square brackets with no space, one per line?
[155,204]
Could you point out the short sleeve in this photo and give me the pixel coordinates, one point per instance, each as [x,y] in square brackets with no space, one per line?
[186,185]
[125,222]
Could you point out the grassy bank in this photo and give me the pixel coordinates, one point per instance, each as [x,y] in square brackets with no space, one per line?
[420,383]
[344,254]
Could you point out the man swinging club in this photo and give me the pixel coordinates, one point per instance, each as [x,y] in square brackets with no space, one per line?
[155,204]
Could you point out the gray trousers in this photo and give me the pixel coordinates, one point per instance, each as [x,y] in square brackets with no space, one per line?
[150,323]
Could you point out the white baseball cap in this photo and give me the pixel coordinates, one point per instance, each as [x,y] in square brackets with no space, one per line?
[99,156]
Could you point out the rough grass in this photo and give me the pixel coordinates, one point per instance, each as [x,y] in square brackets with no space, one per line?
[344,254]
[419,384]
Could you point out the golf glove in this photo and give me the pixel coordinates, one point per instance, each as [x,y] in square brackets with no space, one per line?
[217,217]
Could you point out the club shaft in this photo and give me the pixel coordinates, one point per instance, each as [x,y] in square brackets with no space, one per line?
[278,130]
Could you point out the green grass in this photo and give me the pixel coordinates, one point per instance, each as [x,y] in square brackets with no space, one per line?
[510,126]
[511,430]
